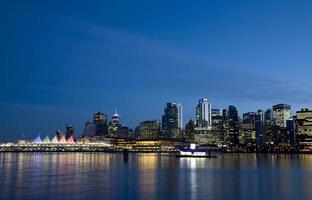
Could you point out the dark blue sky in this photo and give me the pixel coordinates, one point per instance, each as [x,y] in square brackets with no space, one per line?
[62,61]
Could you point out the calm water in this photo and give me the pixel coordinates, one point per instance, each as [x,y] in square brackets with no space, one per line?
[151,176]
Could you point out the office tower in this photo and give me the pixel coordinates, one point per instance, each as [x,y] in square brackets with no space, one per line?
[215,112]
[217,125]
[281,114]
[268,121]
[149,130]
[171,120]
[304,119]
[99,118]
[98,127]
[260,129]
[180,116]
[203,114]
[69,131]
[122,132]
[248,128]
[233,123]
[292,131]
[115,118]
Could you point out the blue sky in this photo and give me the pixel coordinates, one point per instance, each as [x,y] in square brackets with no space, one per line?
[63,61]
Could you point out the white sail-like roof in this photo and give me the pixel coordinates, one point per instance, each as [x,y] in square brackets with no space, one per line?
[70,140]
[38,140]
[62,140]
[54,140]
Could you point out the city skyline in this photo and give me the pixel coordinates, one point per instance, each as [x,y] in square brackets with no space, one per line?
[61,62]
[111,118]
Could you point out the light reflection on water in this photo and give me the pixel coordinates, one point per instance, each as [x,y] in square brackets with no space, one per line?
[152,176]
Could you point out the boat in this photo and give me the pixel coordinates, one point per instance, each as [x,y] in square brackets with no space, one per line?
[195,153]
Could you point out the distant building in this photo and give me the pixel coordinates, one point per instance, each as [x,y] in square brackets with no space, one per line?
[215,112]
[98,127]
[172,120]
[122,132]
[99,118]
[281,114]
[149,130]
[69,131]
[304,119]
[233,125]
[261,137]
[292,131]
[268,121]
[203,114]
[248,128]
[217,125]
[115,118]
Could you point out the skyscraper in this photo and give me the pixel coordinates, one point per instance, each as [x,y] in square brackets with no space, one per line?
[260,128]
[248,128]
[98,127]
[203,114]
[304,118]
[281,114]
[69,131]
[149,129]
[172,120]
[233,122]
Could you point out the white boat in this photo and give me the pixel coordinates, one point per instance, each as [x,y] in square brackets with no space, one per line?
[193,152]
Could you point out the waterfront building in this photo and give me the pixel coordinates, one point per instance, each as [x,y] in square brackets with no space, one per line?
[203,114]
[149,130]
[170,120]
[260,129]
[304,119]
[281,114]
[233,125]
[122,132]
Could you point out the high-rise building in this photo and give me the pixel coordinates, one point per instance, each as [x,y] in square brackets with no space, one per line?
[98,127]
[233,125]
[248,128]
[304,119]
[99,118]
[268,121]
[217,125]
[115,118]
[172,120]
[180,116]
[69,131]
[281,114]
[260,129]
[215,112]
[292,131]
[203,114]
[149,130]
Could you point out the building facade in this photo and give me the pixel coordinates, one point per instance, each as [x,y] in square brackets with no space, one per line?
[282,112]
[172,120]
